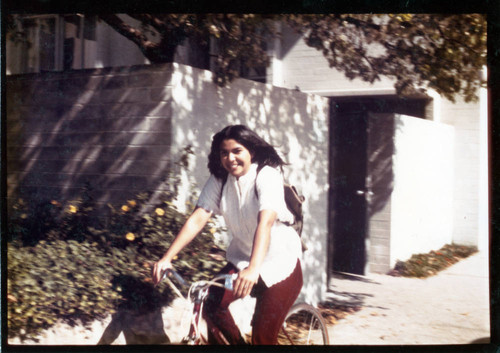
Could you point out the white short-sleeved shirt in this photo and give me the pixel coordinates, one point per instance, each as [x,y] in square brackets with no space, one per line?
[239,204]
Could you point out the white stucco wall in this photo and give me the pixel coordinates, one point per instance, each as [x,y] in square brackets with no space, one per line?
[294,122]
[422,199]
[471,156]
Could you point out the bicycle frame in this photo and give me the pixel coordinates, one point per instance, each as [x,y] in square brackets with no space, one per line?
[199,290]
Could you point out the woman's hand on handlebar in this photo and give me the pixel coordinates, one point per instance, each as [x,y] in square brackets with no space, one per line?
[243,285]
[159,269]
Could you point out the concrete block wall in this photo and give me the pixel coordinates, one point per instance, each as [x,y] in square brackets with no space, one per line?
[380,181]
[119,130]
[106,128]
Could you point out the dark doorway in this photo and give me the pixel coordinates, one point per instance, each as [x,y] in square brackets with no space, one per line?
[349,194]
[347,202]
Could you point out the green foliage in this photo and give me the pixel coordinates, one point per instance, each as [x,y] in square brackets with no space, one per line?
[445,52]
[63,267]
[425,265]
[60,280]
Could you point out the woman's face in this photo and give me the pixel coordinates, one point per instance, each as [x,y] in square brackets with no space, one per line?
[235,158]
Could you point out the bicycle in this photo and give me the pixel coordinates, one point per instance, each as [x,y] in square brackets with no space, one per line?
[303,324]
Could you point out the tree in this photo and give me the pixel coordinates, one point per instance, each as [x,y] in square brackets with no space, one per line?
[444,52]
[241,38]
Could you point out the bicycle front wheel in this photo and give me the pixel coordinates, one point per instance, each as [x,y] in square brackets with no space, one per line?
[303,326]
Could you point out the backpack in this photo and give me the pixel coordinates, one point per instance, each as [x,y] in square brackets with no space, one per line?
[294,203]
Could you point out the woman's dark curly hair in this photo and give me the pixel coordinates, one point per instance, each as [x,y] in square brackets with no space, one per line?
[263,153]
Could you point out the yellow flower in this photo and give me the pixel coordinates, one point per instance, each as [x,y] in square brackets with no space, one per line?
[125,208]
[130,236]
[160,211]
[73,209]
[132,203]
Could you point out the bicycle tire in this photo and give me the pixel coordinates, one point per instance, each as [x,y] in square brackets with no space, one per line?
[303,325]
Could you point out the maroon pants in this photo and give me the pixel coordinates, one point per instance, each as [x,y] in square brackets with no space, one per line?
[271,308]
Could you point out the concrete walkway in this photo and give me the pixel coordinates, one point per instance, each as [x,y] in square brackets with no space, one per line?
[449,308]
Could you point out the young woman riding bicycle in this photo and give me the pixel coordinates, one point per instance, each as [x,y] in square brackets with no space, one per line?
[246,188]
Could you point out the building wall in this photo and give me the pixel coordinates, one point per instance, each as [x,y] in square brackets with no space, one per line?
[118,131]
[306,69]
[111,46]
[108,129]
[470,205]
[410,165]
[380,185]
[423,196]
[294,122]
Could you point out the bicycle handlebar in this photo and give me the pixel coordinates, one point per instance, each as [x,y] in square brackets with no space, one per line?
[228,278]
[171,272]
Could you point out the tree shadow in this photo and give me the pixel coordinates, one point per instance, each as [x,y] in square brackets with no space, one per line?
[119,129]
[139,317]
[348,301]
[108,128]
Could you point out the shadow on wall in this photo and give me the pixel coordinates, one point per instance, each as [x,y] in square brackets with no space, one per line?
[115,130]
[381,151]
[108,129]
[294,122]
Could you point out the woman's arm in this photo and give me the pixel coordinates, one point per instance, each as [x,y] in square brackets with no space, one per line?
[188,232]
[248,277]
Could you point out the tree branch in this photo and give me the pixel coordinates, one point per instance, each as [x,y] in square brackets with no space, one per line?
[161,52]
[153,21]
[127,31]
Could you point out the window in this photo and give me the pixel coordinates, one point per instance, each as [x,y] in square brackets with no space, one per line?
[258,74]
[79,42]
[50,43]
[34,45]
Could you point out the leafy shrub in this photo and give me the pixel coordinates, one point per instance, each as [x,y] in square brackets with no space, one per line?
[27,222]
[58,280]
[69,280]
[67,268]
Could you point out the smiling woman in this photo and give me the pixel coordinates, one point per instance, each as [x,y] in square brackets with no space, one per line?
[235,158]
[246,188]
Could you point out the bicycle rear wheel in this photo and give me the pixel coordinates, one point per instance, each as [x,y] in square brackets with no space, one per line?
[303,326]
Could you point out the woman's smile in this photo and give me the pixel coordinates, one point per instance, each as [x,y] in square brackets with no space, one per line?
[235,158]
